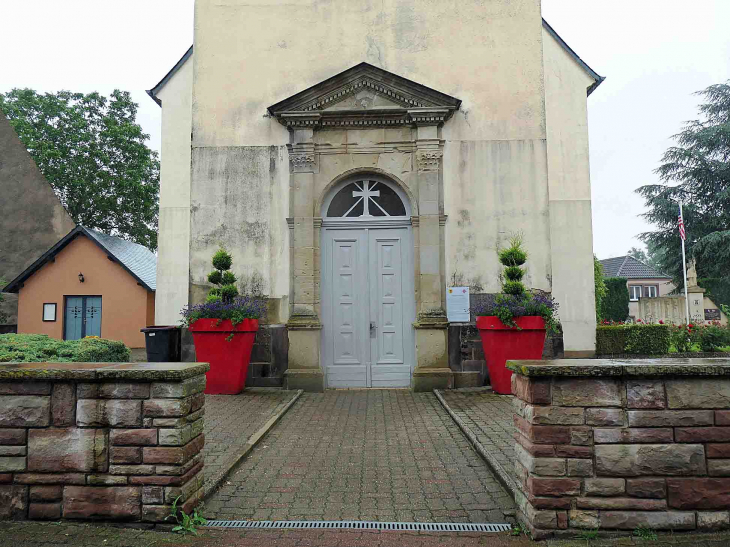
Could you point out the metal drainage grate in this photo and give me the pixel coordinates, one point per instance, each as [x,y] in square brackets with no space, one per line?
[360,525]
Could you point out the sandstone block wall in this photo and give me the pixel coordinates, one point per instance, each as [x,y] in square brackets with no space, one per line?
[616,452]
[91,448]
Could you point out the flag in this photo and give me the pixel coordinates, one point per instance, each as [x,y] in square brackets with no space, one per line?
[680,223]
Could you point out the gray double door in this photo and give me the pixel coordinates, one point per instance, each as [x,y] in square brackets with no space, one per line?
[368,307]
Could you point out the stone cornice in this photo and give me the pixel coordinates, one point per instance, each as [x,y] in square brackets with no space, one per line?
[375,117]
[406,103]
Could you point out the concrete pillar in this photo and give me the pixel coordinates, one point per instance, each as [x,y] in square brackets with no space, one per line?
[432,362]
[304,327]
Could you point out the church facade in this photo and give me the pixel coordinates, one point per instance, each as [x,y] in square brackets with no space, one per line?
[356,158]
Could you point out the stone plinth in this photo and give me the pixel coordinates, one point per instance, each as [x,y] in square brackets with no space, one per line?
[618,445]
[109,441]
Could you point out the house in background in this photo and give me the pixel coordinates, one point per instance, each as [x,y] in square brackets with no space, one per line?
[31,216]
[643,281]
[88,284]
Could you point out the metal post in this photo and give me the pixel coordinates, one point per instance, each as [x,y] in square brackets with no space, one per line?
[684,268]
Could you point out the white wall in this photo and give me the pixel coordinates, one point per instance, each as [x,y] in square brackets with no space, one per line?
[174,221]
[571,234]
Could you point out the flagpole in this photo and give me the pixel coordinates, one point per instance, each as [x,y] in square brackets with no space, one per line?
[684,269]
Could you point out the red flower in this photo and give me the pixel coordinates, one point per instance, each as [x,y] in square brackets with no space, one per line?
[690,325]
[661,322]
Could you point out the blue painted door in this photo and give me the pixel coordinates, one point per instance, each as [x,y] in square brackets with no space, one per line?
[92,316]
[83,317]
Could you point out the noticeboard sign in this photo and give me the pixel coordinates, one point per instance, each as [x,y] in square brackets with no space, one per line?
[457,304]
[712,315]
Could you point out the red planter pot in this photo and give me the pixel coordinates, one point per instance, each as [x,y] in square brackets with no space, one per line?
[502,343]
[228,359]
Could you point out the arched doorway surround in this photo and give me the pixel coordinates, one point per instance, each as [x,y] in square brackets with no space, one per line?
[367,280]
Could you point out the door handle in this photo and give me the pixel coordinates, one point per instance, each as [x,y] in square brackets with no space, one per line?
[373,329]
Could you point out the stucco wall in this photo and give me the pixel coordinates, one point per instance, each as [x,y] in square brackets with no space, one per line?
[487,54]
[569,187]
[515,154]
[124,304]
[173,252]
[32,218]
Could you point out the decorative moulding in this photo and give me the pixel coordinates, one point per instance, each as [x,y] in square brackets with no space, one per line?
[365,96]
[429,160]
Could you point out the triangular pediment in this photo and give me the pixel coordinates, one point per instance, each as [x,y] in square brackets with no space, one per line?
[364,94]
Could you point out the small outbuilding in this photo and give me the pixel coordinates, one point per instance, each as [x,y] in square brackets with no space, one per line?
[88,284]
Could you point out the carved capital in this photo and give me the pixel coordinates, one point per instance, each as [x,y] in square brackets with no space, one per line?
[429,160]
[301,160]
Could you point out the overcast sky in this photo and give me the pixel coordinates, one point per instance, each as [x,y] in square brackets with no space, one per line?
[654,53]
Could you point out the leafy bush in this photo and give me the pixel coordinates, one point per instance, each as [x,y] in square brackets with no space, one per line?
[615,305]
[638,339]
[713,337]
[684,337]
[36,348]
[599,287]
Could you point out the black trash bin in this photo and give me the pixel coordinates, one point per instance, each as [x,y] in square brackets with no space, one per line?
[162,343]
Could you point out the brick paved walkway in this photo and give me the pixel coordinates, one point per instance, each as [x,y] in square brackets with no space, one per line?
[229,422]
[489,418]
[33,534]
[363,455]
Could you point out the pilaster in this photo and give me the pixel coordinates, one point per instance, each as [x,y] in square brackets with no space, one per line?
[432,364]
[304,327]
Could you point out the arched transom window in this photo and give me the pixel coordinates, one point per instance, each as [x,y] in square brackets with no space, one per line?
[366,198]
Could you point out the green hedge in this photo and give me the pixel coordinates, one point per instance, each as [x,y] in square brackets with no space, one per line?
[637,339]
[615,305]
[35,348]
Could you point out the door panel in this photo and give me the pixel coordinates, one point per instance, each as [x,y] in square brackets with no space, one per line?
[348,364]
[92,313]
[74,318]
[389,368]
[363,282]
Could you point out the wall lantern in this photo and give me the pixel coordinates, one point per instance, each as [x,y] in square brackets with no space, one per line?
[81,277]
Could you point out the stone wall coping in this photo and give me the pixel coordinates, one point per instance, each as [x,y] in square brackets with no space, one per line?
[102,371]
[622,367]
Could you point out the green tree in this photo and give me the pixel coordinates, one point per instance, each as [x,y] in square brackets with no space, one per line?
[3,315]
[600,287]
[650,257]
[638,254]
[696,172]
[92,151]
[616,303]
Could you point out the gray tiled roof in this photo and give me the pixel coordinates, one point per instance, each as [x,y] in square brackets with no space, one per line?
[138,259]
[630,268]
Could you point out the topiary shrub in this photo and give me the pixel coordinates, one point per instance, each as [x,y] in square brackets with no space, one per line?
[37,348]
[512,258]
[225,281]
[615,305]
[515,300]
